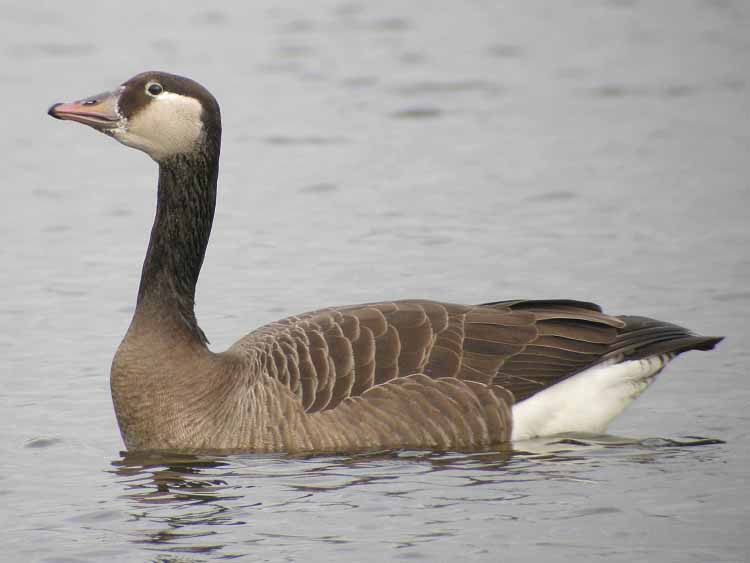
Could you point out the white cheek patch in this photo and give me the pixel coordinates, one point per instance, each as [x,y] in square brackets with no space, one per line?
[170,124]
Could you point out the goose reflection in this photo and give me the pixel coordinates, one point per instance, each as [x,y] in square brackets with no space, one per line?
[181,497]
[162,477]
[197,503]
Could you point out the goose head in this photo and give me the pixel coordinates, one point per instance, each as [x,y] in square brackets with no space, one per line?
[158,113]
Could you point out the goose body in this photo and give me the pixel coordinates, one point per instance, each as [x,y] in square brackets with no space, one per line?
[405,374]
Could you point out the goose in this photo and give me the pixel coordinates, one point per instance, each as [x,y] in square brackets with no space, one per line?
[402,374]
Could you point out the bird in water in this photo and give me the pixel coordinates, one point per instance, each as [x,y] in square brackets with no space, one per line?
[402,374]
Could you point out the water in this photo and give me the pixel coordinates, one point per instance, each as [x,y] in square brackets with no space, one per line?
[462,151]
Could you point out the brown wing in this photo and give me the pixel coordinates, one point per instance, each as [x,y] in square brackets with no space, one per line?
[426,374]
[327,356]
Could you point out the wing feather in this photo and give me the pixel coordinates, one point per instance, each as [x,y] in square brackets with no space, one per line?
[517,348]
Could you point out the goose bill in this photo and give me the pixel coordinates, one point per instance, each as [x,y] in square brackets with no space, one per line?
[99,112]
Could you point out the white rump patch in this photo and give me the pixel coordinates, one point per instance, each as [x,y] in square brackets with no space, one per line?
[587,401]
[170,124]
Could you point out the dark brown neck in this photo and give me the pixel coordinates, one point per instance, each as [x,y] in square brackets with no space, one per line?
[184,214]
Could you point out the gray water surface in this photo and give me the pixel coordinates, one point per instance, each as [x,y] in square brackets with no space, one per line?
[460,151]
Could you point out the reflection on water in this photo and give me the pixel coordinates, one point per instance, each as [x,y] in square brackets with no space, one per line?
[191,503]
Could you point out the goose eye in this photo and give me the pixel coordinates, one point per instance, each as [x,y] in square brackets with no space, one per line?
[154,88]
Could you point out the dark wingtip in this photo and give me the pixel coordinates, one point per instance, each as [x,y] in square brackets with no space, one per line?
[51,110]
[680,345]
[709,342]
[644,337]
